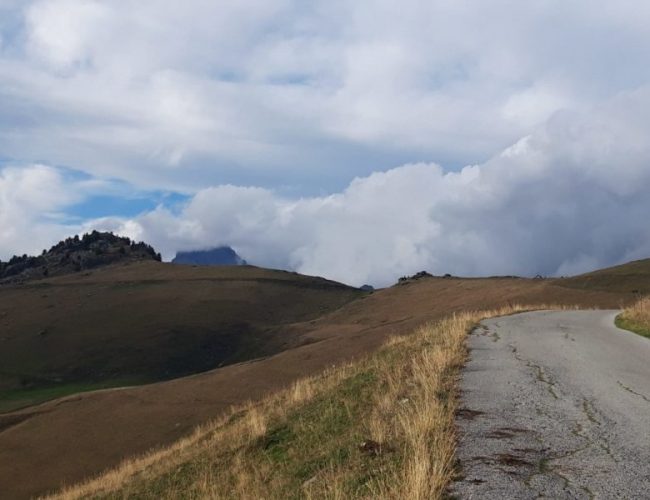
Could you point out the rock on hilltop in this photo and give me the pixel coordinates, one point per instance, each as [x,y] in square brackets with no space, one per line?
[75,254]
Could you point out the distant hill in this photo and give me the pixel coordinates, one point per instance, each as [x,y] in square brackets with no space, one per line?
[149,321]
[633,277]
[75,254]
[221,256]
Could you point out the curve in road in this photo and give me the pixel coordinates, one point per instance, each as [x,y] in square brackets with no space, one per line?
[555,404]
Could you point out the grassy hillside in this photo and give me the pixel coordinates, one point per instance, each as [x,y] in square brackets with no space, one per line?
[146,322]
[633,277]
[381,427]
[65,441]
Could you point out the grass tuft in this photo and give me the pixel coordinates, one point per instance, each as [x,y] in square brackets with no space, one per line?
[636,318]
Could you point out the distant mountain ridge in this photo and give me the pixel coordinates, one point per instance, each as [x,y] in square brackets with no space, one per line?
[219,256]
[76,254]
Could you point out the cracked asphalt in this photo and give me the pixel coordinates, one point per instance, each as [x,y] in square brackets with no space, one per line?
[554,404]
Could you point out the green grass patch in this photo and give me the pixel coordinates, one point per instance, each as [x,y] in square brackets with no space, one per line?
[632,326]
[318,436]
[15,399]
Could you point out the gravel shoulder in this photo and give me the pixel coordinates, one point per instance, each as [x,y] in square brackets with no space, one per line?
[555,405]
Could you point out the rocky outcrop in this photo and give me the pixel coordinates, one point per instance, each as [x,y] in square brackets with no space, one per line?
[75,254]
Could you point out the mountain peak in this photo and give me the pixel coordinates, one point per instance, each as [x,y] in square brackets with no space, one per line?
[219,256]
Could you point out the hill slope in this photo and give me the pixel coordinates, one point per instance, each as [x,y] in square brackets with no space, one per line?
[146,322]
[67,440]
[633,277]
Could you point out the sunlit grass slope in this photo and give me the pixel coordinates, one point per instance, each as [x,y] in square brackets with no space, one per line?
[381,427]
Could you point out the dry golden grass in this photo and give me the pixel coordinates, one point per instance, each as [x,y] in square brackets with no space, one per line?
[381,427]
[636,317]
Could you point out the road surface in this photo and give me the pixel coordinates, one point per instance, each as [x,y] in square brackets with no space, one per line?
[555,405]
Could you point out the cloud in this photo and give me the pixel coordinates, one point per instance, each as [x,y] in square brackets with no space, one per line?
[36,202]
[570,197]
[261,112]
[62,33]
[30,199]
[169,95]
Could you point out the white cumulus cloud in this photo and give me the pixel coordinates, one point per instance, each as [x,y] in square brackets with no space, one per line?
[29,200]
[570,197]
[282,121]
[181,95]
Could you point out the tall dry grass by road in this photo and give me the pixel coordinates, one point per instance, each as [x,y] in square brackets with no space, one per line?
[636,318]
[380,427]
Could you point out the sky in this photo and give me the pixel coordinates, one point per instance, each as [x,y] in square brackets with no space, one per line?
[356,140]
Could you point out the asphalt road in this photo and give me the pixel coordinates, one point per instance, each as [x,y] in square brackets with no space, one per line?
[555,405]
